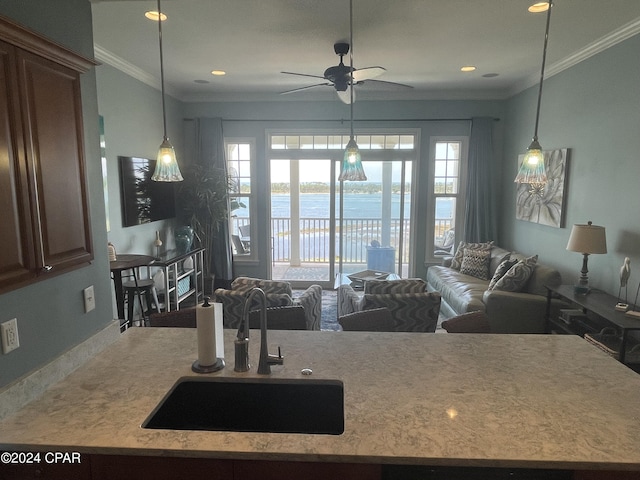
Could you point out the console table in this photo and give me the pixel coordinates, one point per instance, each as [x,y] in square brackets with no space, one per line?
[602,325]
[183,276]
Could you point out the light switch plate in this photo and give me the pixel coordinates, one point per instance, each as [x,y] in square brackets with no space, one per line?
[9,334]
[89,299]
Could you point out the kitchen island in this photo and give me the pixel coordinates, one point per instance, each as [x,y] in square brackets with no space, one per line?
[450,400]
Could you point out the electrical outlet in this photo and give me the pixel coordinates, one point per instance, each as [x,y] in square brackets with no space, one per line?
[9,333]
[89,299]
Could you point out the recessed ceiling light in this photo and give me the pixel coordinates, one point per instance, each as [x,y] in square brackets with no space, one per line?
[218,73]
[539,7]
[468,68]
[153,15]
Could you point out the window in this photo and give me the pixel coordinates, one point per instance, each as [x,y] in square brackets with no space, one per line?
[240,155]
[447,200]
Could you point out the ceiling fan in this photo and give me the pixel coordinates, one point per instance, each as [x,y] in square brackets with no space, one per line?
[340,76]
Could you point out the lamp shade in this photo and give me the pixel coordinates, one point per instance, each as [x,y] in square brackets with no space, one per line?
[167,169]
[588,239]
[351,169]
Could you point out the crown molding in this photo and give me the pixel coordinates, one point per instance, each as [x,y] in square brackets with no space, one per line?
[613,38]
[105,56]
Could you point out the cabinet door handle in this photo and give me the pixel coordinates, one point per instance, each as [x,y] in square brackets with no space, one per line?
[47,268]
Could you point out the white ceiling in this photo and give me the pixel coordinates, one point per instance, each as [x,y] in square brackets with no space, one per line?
[422,43]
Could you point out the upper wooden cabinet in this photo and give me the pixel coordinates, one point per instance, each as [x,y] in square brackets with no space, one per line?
[43,195]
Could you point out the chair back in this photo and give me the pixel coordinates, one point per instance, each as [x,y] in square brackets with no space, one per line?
[185,318]
[290,317]
[375,320]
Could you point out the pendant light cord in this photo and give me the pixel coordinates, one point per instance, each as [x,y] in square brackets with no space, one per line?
[544,59]
[351,60]
[164,112]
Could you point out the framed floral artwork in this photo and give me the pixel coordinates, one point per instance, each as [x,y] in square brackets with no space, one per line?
[544,204]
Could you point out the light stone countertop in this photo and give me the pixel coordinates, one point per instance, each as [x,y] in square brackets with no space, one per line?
[547,401]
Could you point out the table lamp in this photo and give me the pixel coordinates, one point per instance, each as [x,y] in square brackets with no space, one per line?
[586,239]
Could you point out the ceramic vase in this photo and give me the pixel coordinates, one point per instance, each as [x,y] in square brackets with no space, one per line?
[183,238]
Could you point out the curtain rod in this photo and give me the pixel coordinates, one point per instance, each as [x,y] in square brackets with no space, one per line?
[343,120]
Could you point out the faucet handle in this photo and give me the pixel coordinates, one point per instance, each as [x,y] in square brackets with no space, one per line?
[275,359]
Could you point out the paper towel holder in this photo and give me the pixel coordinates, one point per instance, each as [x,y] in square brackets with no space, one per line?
[197,367]
[218,365]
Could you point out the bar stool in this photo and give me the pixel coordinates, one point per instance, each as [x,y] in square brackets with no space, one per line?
[140,287]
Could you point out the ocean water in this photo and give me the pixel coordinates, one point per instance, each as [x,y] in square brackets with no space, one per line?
[356,205]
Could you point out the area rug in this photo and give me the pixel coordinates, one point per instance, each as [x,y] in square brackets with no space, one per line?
[329,319]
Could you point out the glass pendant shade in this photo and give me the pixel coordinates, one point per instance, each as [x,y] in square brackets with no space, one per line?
[166,165]
[532,169]
[351,169]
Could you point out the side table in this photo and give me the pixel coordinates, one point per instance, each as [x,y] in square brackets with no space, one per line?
[599,313]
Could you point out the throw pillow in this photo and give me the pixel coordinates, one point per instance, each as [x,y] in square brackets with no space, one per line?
[456,261]
[472,322]
[503,268]
[476,263]
[517,277]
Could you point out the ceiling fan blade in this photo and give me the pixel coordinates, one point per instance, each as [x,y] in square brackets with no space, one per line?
[368,73]
[303,75]
[306,88]
[345,95]
[396,84]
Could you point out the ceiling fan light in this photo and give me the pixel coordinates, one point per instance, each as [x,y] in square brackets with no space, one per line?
[351,169]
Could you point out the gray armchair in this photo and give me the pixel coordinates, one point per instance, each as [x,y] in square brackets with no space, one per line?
[412,308]
[279,294]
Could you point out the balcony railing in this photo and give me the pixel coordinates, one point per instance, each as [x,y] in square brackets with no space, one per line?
[315,237]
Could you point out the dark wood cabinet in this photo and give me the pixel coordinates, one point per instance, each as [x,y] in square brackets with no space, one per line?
[43,195]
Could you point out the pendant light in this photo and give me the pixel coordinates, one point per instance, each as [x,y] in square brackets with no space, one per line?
[351,169]
[167,169]
[532,169]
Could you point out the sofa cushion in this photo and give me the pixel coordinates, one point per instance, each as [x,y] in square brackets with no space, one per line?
[517,276]
[456,262]
[475,262]
[503,268]
[472,322]
[498,254]
[463,293]
[405,285]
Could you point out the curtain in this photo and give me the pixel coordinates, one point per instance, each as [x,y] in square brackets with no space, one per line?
[209,151]
[480,216]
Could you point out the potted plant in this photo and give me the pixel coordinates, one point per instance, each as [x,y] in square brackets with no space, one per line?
[202,201]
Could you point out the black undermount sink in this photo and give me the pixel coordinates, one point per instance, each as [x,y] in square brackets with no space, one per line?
[252,405]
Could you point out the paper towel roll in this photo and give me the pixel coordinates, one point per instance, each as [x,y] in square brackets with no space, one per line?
[219,332]
[206,326]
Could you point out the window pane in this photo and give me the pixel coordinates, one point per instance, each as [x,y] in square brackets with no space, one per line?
[377,142]
[453,151]
[441,151]
[392,141]
[444,234]
[277,142]
[293,142]
[244,151]
[306,141]
[320,142]
[335,141]
[407,142]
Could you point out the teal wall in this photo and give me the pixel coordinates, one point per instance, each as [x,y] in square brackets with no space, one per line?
[50,313]
[593,109]
[132,113]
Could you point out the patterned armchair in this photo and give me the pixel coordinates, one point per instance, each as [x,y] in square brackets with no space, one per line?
[413,308]
[279,294]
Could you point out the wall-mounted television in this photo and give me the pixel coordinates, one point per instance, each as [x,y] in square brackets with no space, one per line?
[144,200]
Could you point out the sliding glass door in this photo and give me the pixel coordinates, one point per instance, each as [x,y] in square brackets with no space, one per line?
[320,227]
